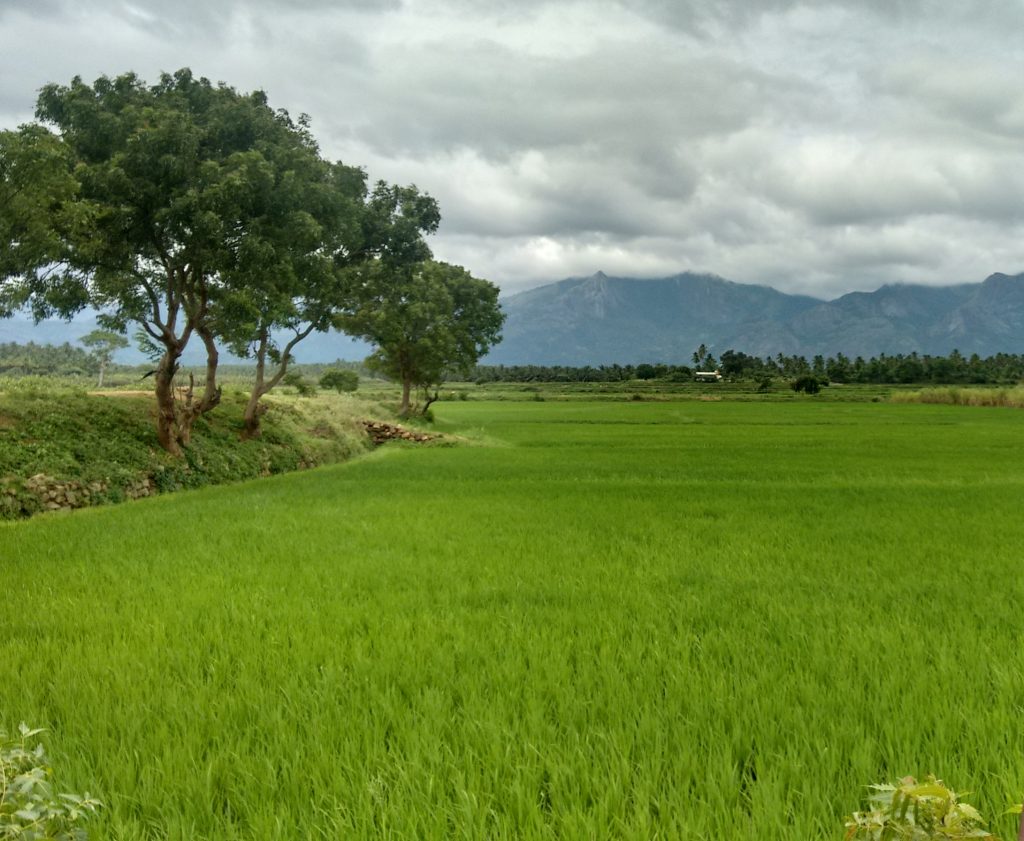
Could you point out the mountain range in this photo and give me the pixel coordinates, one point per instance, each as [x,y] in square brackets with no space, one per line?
[603,320]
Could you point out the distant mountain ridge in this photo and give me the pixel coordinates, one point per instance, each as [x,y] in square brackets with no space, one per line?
[600,320]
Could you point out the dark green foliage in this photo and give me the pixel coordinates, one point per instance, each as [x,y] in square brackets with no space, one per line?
[425,322]
[38,209]
[37,360]
[808,384]
[1000,369]
[339,380]
[297,381]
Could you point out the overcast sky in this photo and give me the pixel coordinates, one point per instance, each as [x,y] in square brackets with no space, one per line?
[818,147]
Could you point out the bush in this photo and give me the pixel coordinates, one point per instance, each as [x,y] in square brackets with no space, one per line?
[302,388]
[807,384]
[913,811]
[29,809]
[340,380]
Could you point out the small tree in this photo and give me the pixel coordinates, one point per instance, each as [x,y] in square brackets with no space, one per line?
[103,344]
[424,322]
[703,359]
[340,380]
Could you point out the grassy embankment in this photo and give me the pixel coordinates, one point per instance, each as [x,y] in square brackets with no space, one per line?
[102,447]
[64,445]
[684,620]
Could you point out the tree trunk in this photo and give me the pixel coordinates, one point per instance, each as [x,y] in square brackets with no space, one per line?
[429,399]
[251,416]
[211,391]
[166,410]
[103,369]
[254,408]
[406,392]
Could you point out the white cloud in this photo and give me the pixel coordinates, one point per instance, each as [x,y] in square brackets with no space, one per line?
[818,147]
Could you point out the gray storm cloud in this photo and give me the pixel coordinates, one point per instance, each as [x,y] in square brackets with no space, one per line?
[819,148]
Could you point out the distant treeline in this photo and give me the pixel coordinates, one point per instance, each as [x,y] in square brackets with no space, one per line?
[67,360]
[42,360]
[1001,369]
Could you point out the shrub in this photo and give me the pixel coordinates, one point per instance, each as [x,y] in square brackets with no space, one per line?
[807,383]
[29,809]
[764,383]
[340,380]
[913,811]
[302,388]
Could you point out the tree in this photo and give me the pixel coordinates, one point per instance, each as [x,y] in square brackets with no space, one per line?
[294,272]
[340,380]
[424,321]
[161,213]
[37,208]
[103,344]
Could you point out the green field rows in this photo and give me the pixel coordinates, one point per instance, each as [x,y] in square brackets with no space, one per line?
[601,620]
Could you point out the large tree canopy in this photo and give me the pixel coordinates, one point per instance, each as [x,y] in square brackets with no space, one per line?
[298,266]
[186,198]
[37,212]
[191,209]
[424,322]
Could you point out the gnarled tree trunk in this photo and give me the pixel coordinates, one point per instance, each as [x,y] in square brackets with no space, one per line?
[254,409]
[166,408]
[211,391]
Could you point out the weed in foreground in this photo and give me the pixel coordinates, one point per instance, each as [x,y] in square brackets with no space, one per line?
[30,810]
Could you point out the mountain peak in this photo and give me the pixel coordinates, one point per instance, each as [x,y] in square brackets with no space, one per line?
[602,320]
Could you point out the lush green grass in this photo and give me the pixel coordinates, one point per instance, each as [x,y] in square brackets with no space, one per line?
[73,436]
[608,620]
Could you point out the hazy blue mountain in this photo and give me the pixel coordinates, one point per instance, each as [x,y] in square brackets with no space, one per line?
[318,347]
[601,320]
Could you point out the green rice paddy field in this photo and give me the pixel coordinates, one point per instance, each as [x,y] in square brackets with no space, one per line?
[603,620]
